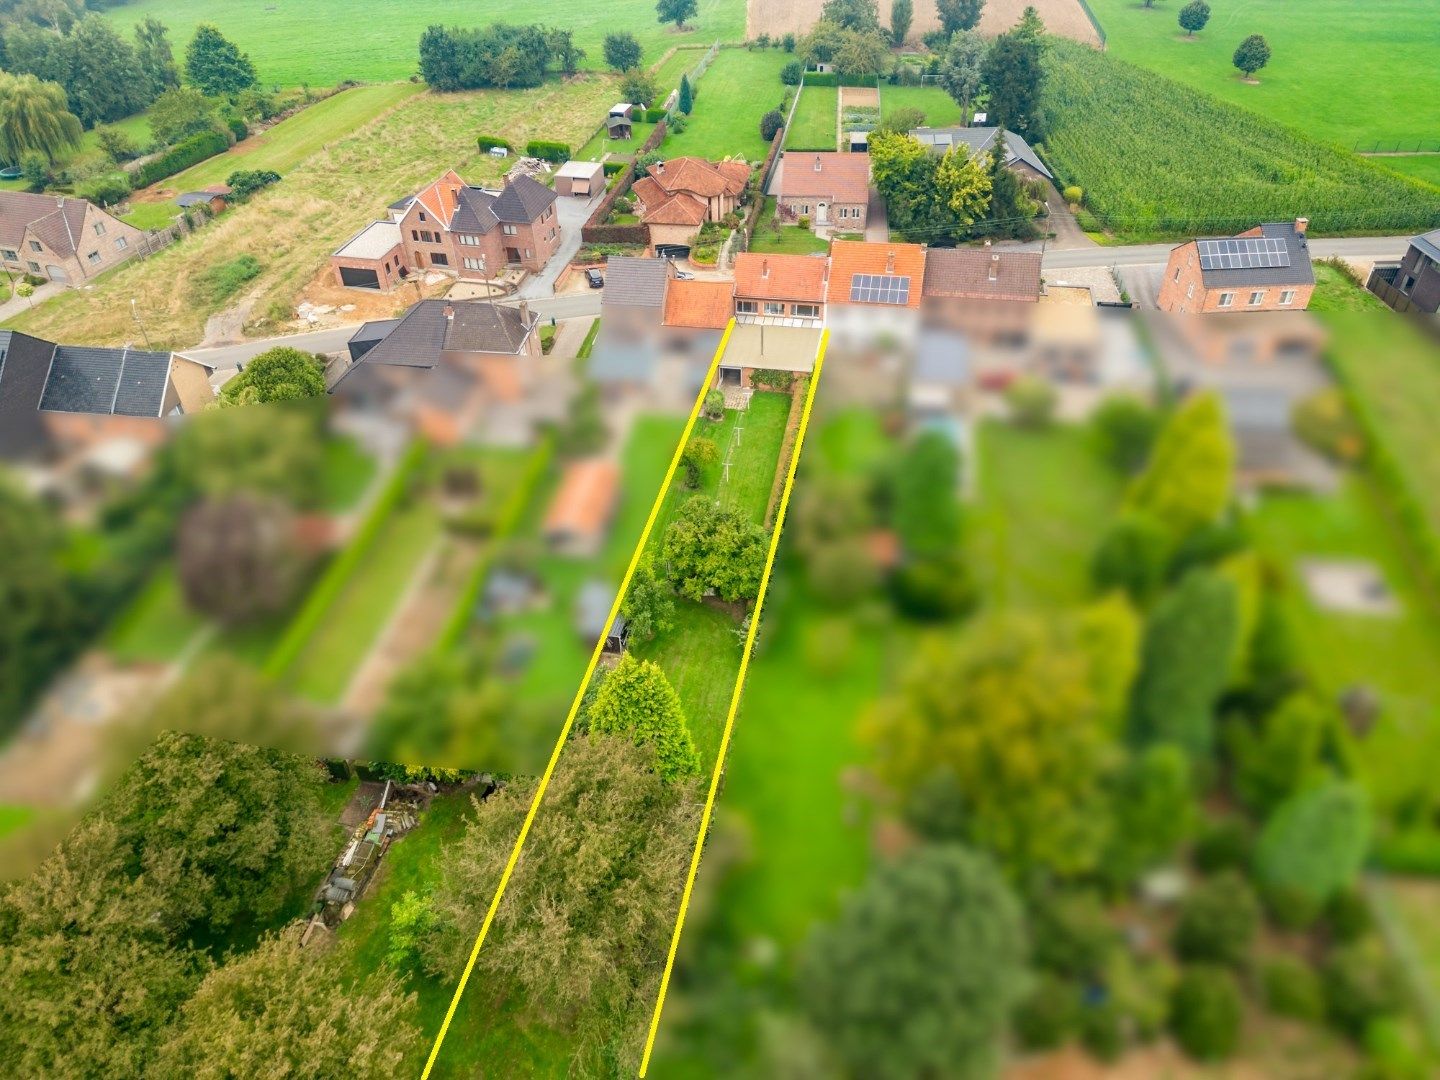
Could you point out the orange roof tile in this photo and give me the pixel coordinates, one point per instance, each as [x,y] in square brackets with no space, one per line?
[682,209]
[702,305]
[701,177]
[439,197]
[851,257]
[780,277]
[586,499]
[840,177]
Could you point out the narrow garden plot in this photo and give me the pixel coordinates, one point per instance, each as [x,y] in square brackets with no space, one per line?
[738,88]
[813,126]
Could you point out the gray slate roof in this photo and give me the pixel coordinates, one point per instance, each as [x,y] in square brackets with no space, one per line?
[24,363]
[1429,243]
[979,141]
[107,382]
[56,221]
[1299,272]
[418,339]
[521,202]
[635,282]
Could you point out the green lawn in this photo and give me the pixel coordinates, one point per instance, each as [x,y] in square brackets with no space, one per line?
[348,471]
[1043,499]
[151,215]
[701,655]
[1393,655]
[940,109]
[1419,166]
[1332,72]
[789,240]
[680,62]
[753,451]
[325,42]
[737,89]
[157,625]
[14,818]
[1336,292]
[813,127]
[600,143]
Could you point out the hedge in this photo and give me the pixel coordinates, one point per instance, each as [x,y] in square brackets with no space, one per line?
[490,142]
[771,379]
[238,128]
[830,78]
[181,156]
[653,116]
[505,523]
[616,234]
[342,568]
[556,153]
[613,167]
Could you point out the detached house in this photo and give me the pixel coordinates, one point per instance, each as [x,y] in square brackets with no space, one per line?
[830,190]
[1413,283]
[469,232]
[1266,268]
[676,197]
[780,290]
[1018,155]
[61,238]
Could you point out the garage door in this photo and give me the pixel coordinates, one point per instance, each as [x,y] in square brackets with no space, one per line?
[672,251]
[56,273]
[357,278]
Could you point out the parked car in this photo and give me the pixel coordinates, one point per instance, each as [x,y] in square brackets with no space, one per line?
[595,278]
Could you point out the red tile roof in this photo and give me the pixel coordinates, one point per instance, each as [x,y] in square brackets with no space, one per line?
[701,305]
[851,257]
[966,274]
[681,209]
[588,492]
[440,197]
[780,277]
[700,177]
[840,177]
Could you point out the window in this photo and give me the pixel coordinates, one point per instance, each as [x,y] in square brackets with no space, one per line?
[1189,290]
[510,230]
[93,258]
[745,307]
[473,264]
[1257,297]
[440,258]
[1409,283]
[13,256]
[1287,296]
[469,241]
[34,267]
[35,246]
[429,237]
[1227,299]
[423,217]
[414,235]
[99,228]
[806,311]
[121,243]
[529,253]
[774,307]
[1177,275]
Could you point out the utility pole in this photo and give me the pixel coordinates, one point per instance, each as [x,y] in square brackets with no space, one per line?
[135,313]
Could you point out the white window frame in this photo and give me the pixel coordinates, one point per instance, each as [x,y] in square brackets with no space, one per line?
[746,307]
[1287,297]
[774,307]
[1227,299]
[806,311]
[121,243]
[93,258]
[511,230]
[1257,297]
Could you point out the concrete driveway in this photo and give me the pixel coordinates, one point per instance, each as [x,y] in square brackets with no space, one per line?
[1142,283]
[573,213]
[18,305]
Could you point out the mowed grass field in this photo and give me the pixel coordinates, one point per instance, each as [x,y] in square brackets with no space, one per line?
[1419,166]
[813,127]
[323,201]
[738,88]
[1345,72]
[940,109]
[325,42]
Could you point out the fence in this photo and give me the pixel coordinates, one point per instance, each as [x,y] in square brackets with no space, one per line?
[1099,30]
[1419,146]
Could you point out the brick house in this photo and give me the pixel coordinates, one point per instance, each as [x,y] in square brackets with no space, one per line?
[1413,283]
[469,232]
[1266,268]
[831,190]
[1017,154]
[676,197]
[62,238]
[780,290]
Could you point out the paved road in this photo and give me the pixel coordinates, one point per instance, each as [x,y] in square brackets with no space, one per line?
[18,305]
[330,340]
[564,306]
[1348,247]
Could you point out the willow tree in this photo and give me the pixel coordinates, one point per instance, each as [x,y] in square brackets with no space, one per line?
[35,116]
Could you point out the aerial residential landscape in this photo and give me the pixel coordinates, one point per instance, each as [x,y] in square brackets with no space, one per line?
[807,538]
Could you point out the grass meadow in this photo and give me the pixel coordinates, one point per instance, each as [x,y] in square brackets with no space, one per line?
[325,42]
[738,88]
[1344,73]
[1424,167]
[813,127]
[940,109]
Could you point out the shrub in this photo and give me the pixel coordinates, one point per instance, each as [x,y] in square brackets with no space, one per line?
[790,74]
[1124,429]
[1289,907]
[1072,195]
[412,917]
[788,43]
[1205,1013]
[1048,1015]
[1348,915]
[1218,921]
[770,379]
[182,155]
[678,123]
[238,128]
[1361,984]
[715,404]
[1071,935]
[1315,842]
[1132,556]
[1225,844]
[1393,1052]
[556,153]
[1292,988]
[636,700]
[1102,1031]
[935,587]
[493,142]
[1323,421]
[705,255]
[1031,401]
[106,190]
[118,146]
[699,456]
[770,125]
[245,182]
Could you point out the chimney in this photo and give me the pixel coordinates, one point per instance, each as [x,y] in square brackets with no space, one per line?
[765,270]
[525,313]
[449,313]
[660,167]
[987,242]
[994,266]
[1301,224]
[890,263]
[817,162]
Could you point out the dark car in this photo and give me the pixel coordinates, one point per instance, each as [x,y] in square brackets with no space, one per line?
[594,277]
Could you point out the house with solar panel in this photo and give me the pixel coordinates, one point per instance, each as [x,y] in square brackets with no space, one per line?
[1266,268]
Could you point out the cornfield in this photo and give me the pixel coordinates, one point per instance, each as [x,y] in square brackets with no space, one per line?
[1156,157]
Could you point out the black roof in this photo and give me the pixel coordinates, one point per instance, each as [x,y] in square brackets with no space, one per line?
[523,200]
[634,281]
[435,326]
[24,363]
[1278,256]
[106,382]
[369,335]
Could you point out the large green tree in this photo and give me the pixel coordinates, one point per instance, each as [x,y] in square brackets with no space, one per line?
[967,184]
[902,15]
[179,112]
[35,117]
[676,11]
[636,701]
[859,15]
[623,51]
[1315,843]
[215,65]
[649,604]
[709,547]
[958,15]
[277,450]
[918,974]
[1152,811]
[157,59]
[1188,480]
[447,709]
[861,53]
[1251,55]
[1014,74]
[99,70]
[278,374]
[961,71]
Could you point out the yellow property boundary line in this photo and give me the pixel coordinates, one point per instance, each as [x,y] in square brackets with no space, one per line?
[734,702]
[580,696]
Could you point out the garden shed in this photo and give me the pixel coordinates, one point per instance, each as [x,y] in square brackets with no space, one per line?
[582,178]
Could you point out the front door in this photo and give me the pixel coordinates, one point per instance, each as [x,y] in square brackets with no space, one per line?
[822,214]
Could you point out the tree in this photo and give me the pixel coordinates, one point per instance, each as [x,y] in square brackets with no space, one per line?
[686,101]
[1362,983]
[35,118]
[1015,76]
[181,112]
[283,1010]
[276,375]
[1251,55]
[961,71]
[215,65]
[1124,429]
[1011,713]
[275,450]
[1188,480]
[903,119]
[440,60]
[906,174]
[637,701]
[1315,843]
[1194,16]
[792,73]
[959,15]
[1185,663]
[902,14]
[1031,399]
[770,124]
[649,604]
[232,827]
[709,547]
[862,16]
[822,42]
[1205,1013]
[1218,921]
[1133,555]
[882,980]
[562,46]
[237,558]
[861,53]
[965,183]
[926,506]
[446,709]
[1152,811]
[623,51]
[676,11]
[1285,754]
[157,59]
[581,927]
[118,146]
[639,87]
[246,182]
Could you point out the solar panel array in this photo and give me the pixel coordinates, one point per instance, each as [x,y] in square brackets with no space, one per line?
[1243,253]
[879,289]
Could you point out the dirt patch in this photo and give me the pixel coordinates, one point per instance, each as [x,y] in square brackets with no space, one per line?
[1064,18]
[859,97]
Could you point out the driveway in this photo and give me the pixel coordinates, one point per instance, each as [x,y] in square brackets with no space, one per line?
[1068,234]
[877,221]
[18,305]
[573,214]
[1142,283]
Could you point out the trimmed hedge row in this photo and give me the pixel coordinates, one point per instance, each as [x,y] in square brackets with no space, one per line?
[616,234]
[181,156]
[606,205]
[653,116]
[772,379]
[557,153]
[490,142]
[343,567]
[613,167]
[829,78]
[505,523]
